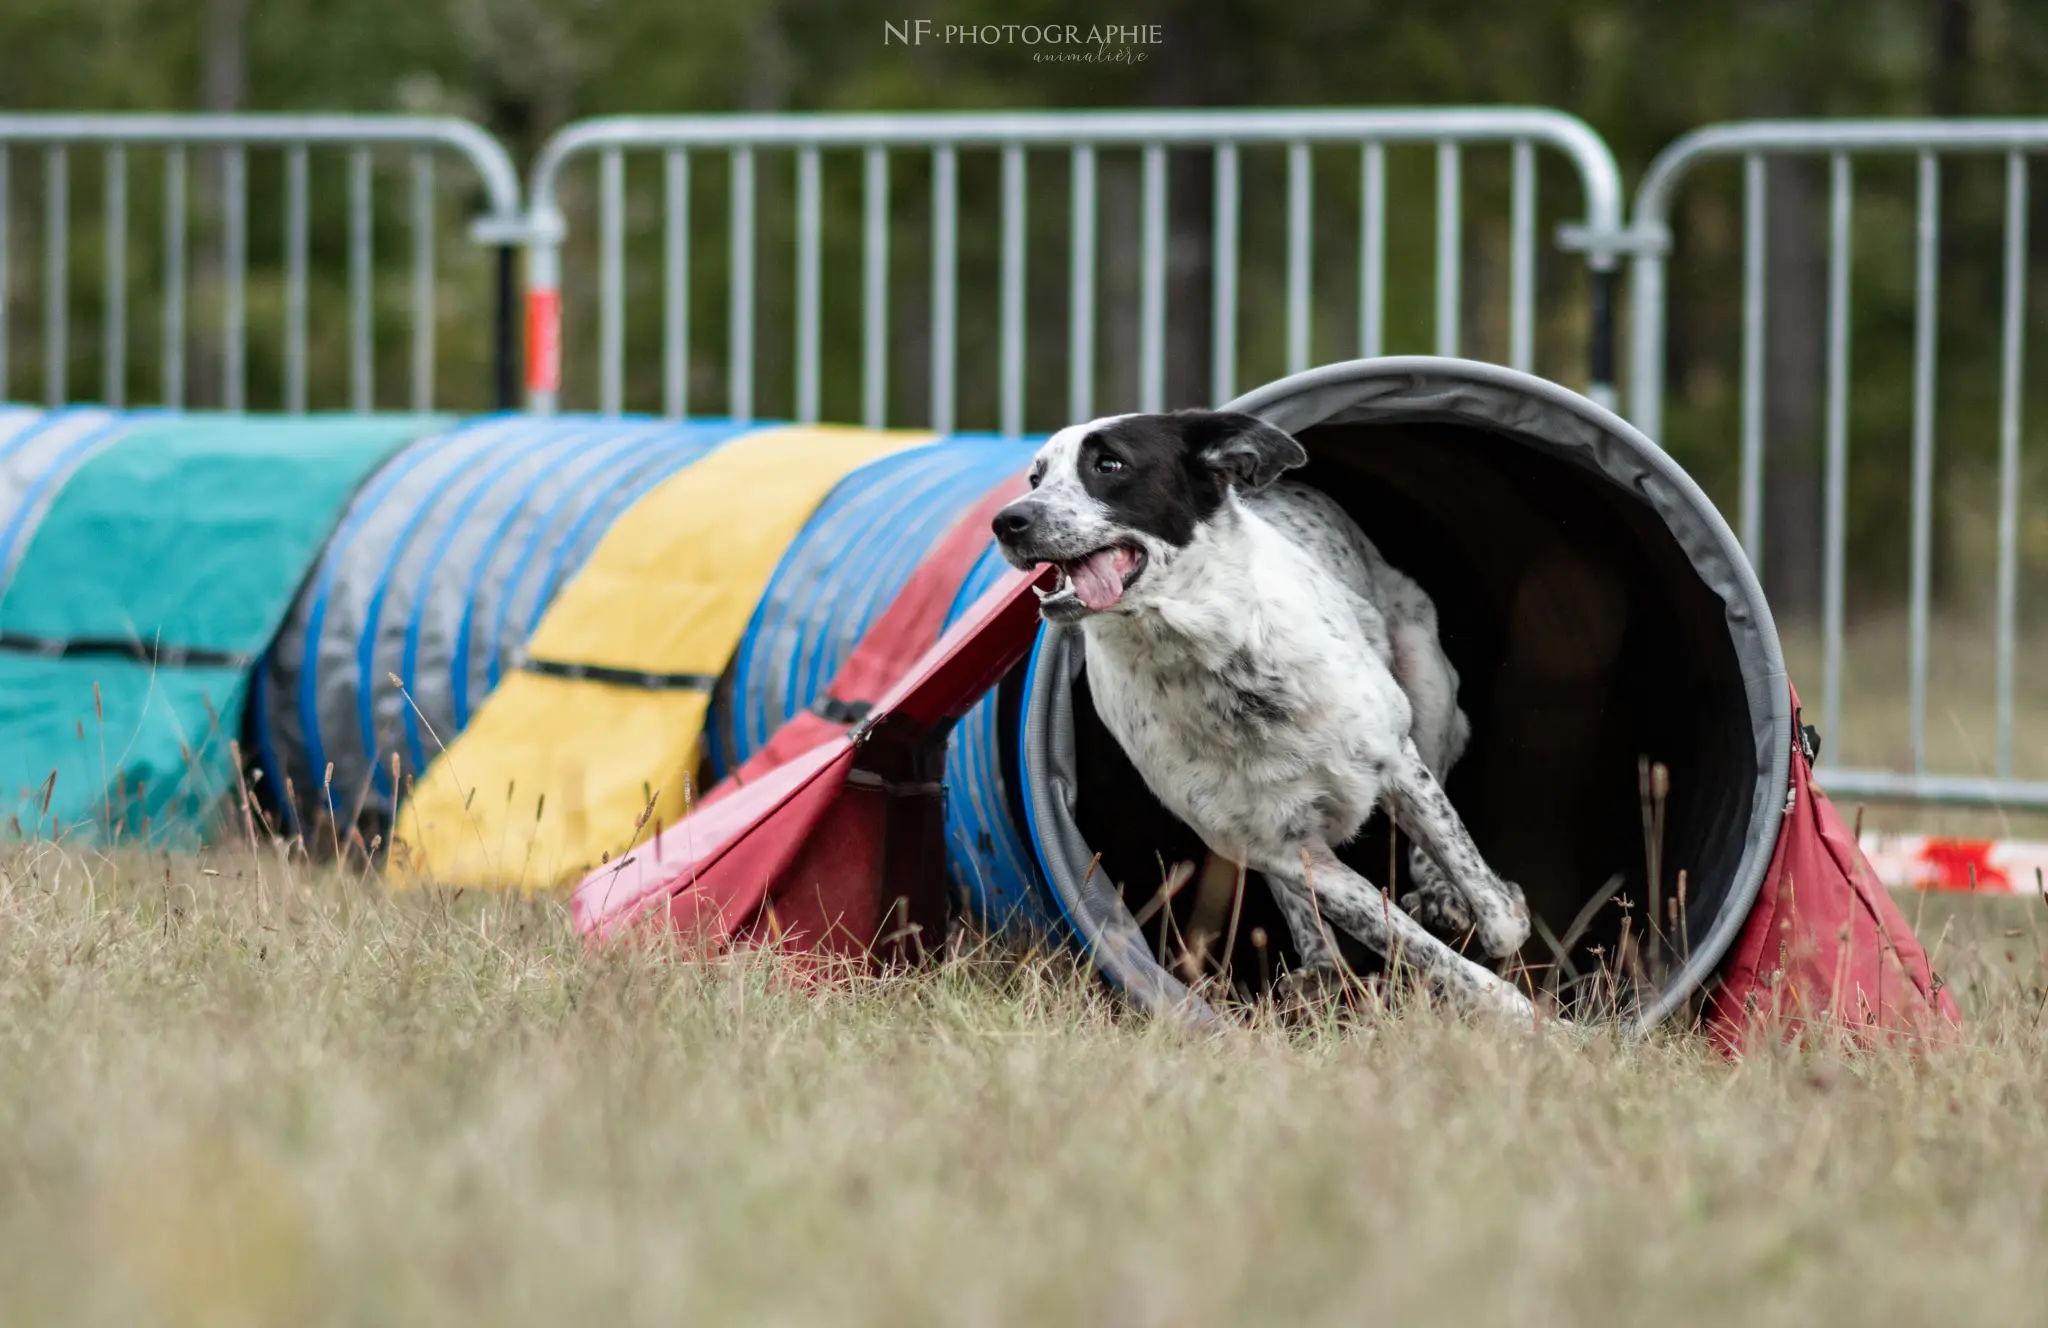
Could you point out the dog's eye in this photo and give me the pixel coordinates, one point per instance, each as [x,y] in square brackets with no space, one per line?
[1107,464]
[1036,476]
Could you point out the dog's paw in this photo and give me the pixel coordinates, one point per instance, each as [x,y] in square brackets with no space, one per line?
[1302,990]
[1503,928]
[1440,908]
[1496,930]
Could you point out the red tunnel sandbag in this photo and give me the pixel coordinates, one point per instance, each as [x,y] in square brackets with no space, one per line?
[1825,946]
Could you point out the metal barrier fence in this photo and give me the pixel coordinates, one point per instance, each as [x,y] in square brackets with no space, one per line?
[1006,140]
[231,137]
[1839,141]
[1083,135]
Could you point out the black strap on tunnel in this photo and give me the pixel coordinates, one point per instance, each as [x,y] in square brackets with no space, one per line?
[646,681]
[142,652]
[831,708]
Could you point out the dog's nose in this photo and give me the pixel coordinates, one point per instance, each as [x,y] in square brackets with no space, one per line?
[1013,522]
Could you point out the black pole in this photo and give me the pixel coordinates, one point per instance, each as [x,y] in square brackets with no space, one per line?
[1602,349]
[505,353]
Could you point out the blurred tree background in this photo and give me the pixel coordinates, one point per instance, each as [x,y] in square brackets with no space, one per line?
[1640,71]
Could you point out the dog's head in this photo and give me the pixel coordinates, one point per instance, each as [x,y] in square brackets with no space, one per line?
[1117,497]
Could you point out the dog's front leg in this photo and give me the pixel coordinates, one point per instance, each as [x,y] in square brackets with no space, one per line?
[1455,891]
[1355,905]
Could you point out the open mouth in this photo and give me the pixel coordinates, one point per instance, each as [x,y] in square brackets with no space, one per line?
[1096,582]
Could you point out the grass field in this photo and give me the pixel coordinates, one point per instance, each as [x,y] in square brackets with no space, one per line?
[241,1091]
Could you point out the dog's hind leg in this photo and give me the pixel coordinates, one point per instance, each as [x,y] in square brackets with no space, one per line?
[1455,891]
[1426,674]
[1348,901]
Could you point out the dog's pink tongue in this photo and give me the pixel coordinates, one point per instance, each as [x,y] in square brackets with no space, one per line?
[1100,580]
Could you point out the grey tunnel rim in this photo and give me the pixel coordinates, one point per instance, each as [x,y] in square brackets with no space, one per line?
[1550,417]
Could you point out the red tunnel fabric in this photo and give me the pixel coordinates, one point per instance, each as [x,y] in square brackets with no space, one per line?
[1825,947]
[816,851]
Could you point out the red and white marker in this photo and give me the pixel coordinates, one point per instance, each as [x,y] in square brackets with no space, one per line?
[1935,862]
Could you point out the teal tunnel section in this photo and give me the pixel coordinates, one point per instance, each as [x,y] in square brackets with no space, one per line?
[435,577]
[835,579]
[146,559]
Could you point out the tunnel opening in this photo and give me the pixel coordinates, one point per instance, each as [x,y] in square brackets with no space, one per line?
[1600,621]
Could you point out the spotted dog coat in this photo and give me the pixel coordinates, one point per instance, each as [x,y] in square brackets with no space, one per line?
[1271,677]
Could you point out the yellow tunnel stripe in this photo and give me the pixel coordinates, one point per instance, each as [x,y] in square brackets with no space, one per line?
[553,773]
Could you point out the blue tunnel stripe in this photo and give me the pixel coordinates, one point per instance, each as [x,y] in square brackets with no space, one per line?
[1004,884]
[806,568]
[859,532]
[955,493]
[1031,666]
[74,454]
[366,639]
[771,613]
[387,478]
[597,459]
[576,545]
[883,553]
[646,465]
[524,449]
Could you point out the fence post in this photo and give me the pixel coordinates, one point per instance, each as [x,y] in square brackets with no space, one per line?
[541,234]
[505,334]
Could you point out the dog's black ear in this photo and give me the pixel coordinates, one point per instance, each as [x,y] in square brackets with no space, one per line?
[1243,450]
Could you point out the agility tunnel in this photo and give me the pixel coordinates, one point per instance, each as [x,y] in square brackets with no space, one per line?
[515,650]
[146,560]
[1601,616]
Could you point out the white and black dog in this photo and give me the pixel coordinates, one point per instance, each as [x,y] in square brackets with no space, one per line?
[1271,677]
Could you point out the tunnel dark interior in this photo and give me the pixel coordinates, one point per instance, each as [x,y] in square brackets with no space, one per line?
[1585,642]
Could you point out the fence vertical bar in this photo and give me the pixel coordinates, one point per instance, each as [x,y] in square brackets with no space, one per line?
[1300,248]
[874,299]
[234,358]
[2012,363]
[1081,286]
[1152,283]
[1449,245]
[945,279]
[114,332]
[295,224]
[174,279]
[611,282]
[1925,309]
[1646,342]
[1223,316]
[809,226]
[1013,291]
[1835,525]
[362,383]
[740,292]
[56,276]
[422,281]
[675,286]
[5,277]
[1754,215]
[1372,249]
[1522,259]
